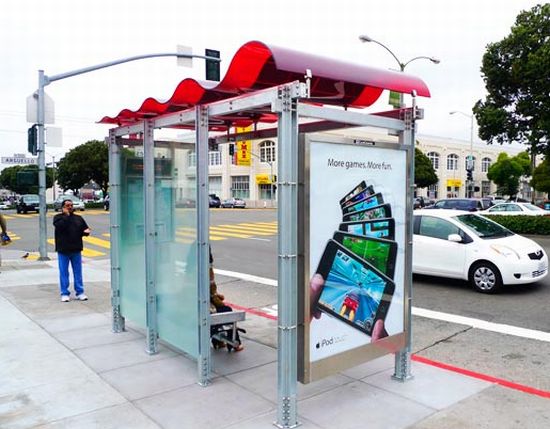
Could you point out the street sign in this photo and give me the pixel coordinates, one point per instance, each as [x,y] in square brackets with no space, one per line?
[18,159]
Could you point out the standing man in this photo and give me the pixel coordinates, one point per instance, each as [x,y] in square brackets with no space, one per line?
[69,230]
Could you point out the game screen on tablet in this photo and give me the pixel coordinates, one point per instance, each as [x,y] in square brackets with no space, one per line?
[375,252]
[352,291]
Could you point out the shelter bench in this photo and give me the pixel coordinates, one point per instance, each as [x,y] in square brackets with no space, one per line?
[228,323]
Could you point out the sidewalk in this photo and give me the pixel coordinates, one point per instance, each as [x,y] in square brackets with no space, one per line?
[62,367]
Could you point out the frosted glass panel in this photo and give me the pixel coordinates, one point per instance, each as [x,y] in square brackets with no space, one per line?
[132,244]
[176,262]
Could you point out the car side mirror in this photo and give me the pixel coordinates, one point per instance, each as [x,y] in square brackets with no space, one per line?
[455,238]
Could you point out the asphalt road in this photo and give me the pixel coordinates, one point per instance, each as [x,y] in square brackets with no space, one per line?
[525,306]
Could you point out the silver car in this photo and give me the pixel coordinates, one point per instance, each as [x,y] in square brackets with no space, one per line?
[78,204]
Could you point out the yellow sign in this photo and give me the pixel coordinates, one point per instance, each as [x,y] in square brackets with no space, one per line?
[243,148]
[454,183]
[263,179]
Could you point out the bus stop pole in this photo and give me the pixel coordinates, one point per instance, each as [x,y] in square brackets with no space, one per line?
[150,246]
[203,280]
[114,214]
[403,357]
[287,364]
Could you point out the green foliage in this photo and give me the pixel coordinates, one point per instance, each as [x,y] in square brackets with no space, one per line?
[424,173]
[89,161]
[524,224]
[516,72]
[506,172]
[541,177]
[94,205]
[8,179]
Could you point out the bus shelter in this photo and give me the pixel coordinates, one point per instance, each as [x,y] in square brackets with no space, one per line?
[160,223]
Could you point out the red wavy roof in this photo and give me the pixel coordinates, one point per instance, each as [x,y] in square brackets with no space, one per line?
[257,66]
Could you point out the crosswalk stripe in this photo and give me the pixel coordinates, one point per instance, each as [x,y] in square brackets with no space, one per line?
[8,217]
[250,230]
[97,241]
[86,252]
[261,227]
[106,234]
[227,234]
[194,235]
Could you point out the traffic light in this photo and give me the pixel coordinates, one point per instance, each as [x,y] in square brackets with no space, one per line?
[212,67]
[469,175]
[212,144]
[32,140]
[231,149]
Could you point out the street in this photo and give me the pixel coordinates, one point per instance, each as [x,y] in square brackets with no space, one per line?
[245,241]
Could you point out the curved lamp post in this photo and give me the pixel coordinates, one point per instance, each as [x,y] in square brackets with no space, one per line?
[366,39]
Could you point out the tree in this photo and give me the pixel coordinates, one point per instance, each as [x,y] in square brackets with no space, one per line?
[8,179]
[89,161]
[541,177]
[516,72]
[507,171]
[424,173]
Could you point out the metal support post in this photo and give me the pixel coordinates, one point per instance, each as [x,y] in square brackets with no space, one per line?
[150,234]
[201,147]
[118,323]
[402,371]
[287,364]
[40,115]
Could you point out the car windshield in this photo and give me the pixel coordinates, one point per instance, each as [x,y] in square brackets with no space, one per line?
[482,227]
[30,198]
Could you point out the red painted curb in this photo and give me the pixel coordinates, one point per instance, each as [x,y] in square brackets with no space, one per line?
[417,358]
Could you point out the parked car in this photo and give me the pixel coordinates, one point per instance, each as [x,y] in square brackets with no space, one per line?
[468,204]
[464,245]
[421,202]
[28,203]
[78,204]
[5,205]
[234,203]
[516,209]
[214,201]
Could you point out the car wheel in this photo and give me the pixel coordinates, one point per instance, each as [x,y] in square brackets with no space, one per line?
[485,277]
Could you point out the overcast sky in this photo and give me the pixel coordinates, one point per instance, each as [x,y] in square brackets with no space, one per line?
[63,35]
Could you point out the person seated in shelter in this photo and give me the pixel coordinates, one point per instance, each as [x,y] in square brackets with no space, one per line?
[217,305]
[4,237]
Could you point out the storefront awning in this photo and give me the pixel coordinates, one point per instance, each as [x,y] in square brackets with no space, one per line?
[257,66]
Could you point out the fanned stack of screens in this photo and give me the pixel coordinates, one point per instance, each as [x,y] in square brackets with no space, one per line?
[358,264]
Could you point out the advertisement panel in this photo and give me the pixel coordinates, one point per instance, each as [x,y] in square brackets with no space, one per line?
[354,223]
[243,147]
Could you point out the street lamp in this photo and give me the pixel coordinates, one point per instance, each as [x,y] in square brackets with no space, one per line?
[43,81]
[470,162]
[366,39]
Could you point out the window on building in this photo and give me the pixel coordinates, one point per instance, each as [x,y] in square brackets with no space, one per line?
[485,164]
[433,191]
[473,162]
[267,151]
[192,159]
[215,185]
[240,187]
[452,161]
[265,192]
[215,158]
[434,158]
[485,188]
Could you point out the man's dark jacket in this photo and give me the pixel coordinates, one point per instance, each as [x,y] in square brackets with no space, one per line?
[69,231]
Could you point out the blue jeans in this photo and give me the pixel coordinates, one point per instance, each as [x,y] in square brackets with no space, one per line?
[63,260]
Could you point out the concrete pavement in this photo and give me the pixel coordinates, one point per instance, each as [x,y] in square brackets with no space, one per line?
[62,367]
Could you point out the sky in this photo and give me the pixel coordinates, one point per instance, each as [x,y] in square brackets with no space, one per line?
[58,36]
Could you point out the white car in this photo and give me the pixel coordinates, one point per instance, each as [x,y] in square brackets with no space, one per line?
[516,209]
[464,245]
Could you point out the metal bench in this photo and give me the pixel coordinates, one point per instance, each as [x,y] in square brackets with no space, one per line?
[228,322]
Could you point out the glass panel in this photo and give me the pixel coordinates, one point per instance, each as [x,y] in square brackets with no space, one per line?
[176,259]
[132,238]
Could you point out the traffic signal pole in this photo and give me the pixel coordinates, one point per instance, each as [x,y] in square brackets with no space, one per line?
[43,81]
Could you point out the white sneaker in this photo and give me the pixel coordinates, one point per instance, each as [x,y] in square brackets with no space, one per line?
[65,298]
[82,297]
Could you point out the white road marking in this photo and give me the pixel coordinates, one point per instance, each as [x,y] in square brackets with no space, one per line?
[500,328]
[259,239]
